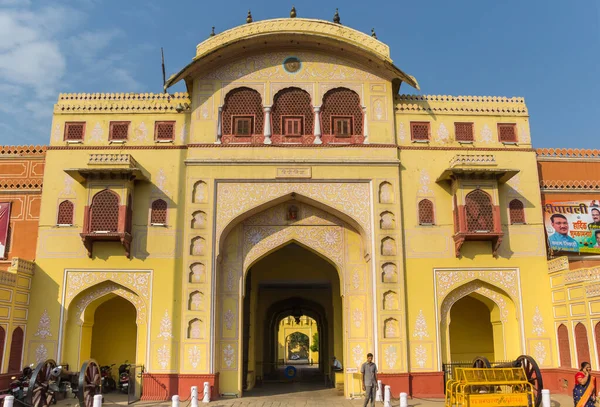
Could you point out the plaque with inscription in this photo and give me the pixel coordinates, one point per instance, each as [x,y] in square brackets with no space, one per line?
[301,172]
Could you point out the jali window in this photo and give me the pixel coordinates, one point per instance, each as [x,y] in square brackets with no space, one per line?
[158,213]
[419,131]
[65,213]
[479,212]
[507,132]
[463,131]
[516,212]
[74,131]
[104,212]
[164,131]
[118,131]
[426,212]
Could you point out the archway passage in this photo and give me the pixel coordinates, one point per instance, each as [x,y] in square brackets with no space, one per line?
[471,330]
[298,341]
[114,333]
[296,285]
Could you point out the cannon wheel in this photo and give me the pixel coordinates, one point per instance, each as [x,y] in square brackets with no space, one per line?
[481,362]
[533,374]
[38,385]
[89,383]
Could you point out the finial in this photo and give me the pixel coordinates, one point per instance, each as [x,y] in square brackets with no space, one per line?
[212,33]
[293,12]
[373,33]
[336,17]
[249,18]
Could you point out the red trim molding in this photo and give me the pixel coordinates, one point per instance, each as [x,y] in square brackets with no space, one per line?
[119,147]
[425,384]
[162,386]
[560,380]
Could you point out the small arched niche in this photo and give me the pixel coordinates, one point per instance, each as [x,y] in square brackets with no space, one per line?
[390,300]
[196,301]
[391,328]
[389,273]
[200,192]
[199,220]
[197,273]
[388,246]
[198,246]
[386,193]
[387,220]
[195,329]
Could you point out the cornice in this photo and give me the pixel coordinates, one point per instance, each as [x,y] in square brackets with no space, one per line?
[121,102]
[568,154]
[473,105]
[22,151]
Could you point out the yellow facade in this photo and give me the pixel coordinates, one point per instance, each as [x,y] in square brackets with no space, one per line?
[231,262]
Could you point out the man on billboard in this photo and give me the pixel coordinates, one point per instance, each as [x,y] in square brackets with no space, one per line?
[560,240]
[596,219]
[597,236]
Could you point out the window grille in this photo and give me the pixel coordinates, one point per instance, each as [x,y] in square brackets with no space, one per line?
[426,212]
[419,131]
[158,214]
[463,131]
[516,211]
[164,131]
[74,131]
[243,102]
[292,102]
[479,212]
[118,131]
[507,133]
[65,213]
[104,212]
[341,102]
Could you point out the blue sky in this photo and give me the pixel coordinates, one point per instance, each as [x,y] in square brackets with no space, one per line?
[547,51]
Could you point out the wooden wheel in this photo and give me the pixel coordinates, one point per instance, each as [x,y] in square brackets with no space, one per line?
[89,383]
[481,362]
[38,395]
[534,376]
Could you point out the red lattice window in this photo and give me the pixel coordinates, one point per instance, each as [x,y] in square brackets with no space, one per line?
[479,212]
[292,126]
[516,211]
[507,133]
[158,214]
[464,131]
[74,131]
[16,351]
[65,213]
[563,346]
[164,131]
[104,212]
[581,342]
[342,126]
[118,131]
[292,102]
[242,125]
[419,131]
[426,212]
[341,102]
[243,102]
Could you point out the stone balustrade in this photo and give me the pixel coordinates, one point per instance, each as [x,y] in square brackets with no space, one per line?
[472,159]
[558,264]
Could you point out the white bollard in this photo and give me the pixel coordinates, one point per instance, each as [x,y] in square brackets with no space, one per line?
[403,400]
[206,398]
[98,400]
[378,395]
[387,397]
[9,401]
[545,398]
[175,401]
[194,396]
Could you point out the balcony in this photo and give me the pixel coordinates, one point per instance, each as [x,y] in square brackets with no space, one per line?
[477,220]
[109,167]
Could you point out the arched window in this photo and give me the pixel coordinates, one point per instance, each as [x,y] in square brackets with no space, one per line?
[65,213]
[158,213]
[243,113]
[104,212]
[426,212]
[341,113]
[516,212]
[293,113]
[16,351]
[563,346]
[479,211]
[581,342]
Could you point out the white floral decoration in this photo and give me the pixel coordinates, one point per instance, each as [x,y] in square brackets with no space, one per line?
[44,326]
[228,354]
[229,317]
[194,356]
[56,133]
[401,132]
[357,317]
[421,327]
[97,133]
[183,133]
[391,356]
[540,352]
[161,180]
[538,323]
[41,353]
[486,134]
[357,353]
[443,135]
[425,181]
[355,279]
[421,355]
[166,327]
[163,356]
[140,133]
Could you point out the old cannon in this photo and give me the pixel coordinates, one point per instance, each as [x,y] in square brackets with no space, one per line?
[529,365]
[49,380]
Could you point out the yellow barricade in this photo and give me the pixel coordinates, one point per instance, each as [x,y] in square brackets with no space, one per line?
[507,386]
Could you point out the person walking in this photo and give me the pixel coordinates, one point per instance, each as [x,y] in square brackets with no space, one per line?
[584,392]
[368,371]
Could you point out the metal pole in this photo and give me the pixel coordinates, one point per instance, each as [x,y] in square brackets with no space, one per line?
[175,401]
[194,396]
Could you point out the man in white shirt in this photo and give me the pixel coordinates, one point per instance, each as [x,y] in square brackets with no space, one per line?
[336,365]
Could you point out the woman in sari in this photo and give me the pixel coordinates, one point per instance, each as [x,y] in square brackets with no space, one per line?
[584,392]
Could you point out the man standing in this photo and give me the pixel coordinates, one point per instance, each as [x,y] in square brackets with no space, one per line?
[369,379]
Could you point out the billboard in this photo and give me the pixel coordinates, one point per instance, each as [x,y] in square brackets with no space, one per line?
[573,226]
[4,224]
